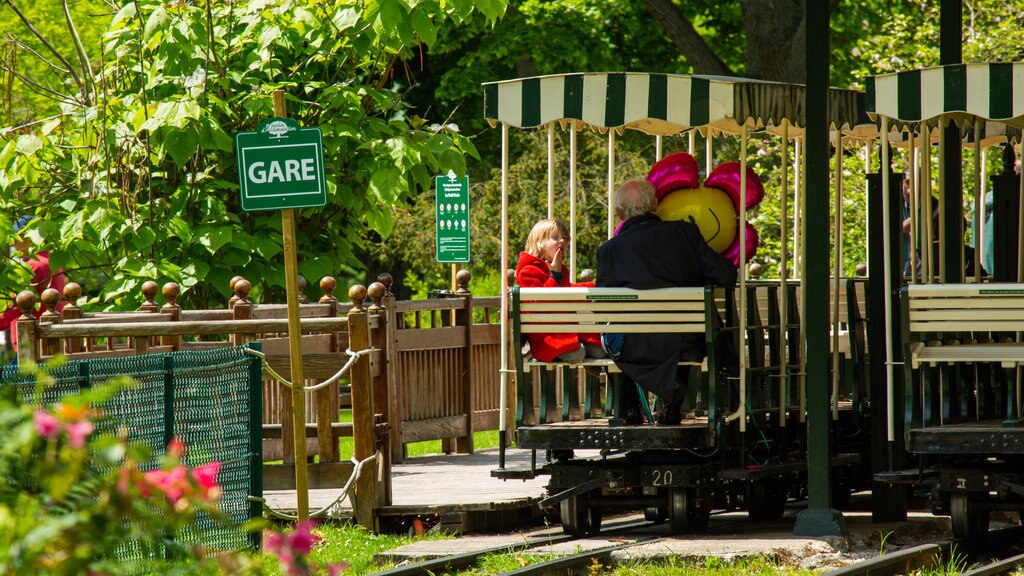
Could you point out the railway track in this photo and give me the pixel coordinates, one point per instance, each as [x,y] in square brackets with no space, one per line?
[944,553]
[469,559]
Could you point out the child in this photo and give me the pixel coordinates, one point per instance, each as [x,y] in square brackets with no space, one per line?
[540,265]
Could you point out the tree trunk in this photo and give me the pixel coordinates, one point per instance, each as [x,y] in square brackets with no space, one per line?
[693,47]
[775,39]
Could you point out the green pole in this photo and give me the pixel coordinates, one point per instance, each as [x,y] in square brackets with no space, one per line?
[819,519]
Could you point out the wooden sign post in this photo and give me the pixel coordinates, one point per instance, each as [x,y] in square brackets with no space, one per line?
[281,167]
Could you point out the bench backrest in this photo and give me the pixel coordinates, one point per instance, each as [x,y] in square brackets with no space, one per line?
[614,310]
[965,307]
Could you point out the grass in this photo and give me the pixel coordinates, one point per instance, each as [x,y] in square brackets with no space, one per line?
[671,566]
[352,544]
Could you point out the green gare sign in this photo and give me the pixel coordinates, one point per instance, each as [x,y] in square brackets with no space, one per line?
[452,220]
[281,166]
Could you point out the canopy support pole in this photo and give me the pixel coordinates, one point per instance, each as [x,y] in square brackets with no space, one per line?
[979,200]
[707,153]
[926,208]
[837,271]
[503,398]
[887,280]
[551,170]
[783,276]
[743,280]
[657,148]
[572,203]
[611,181]
[914,215]
[981,250]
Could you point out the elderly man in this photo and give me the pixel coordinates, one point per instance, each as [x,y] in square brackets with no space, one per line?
[650,253]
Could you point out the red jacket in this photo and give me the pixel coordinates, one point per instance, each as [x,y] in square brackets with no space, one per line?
[533,272]
[42,279]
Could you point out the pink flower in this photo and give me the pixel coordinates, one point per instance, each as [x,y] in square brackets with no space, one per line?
[206,476]
[302,539]
[175,448]
[47,425]
[77,431]
[173,483]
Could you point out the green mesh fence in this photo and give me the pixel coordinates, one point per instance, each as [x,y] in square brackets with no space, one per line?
[209,399]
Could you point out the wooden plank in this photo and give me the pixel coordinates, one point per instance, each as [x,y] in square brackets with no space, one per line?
[689,293]
[274,311]
[976,302]
[338,430]
[970,290]
[320,475]
[206,315]
[967,326]
[430,338]
[486,334]
[184,328]
[122,318]
[311,343]
[319,366]
[433,428]
[427,305]
[979,316]
[604,306]
[971,353]
[584,318]
[694,328]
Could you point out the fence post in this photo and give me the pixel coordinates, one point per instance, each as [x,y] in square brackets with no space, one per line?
[241,309]
[48,302]
[301,282]
[394,412]
[71,311]
[326,398]
[26,328]
[256,439]
[464,318]
[378,337]
[234,295]
[171,291]
[362,410]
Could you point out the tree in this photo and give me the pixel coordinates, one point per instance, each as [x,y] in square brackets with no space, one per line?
[137,178]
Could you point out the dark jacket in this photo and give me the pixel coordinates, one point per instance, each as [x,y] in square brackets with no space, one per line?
[650,253]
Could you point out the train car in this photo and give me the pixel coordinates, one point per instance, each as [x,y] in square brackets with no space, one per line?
[742,442]
[953,347]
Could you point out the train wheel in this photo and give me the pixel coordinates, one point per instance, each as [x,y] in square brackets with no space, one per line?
[579,519]
[766,500]
[970,522]
[655,514]
[683,515]
[573,512]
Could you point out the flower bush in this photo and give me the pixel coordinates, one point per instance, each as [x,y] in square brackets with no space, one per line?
[74,501]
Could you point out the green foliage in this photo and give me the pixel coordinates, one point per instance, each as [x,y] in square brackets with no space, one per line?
[73,502]
[142,184]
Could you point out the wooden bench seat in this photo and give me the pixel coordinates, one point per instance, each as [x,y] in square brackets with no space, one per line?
[603,310]
[940,319]
[952,326]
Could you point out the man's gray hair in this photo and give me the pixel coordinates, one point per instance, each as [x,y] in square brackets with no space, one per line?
[635,197]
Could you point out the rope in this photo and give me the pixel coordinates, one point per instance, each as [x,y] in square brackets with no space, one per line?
[345,492]
[353,357]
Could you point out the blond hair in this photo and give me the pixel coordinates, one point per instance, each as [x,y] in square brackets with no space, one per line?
[543,230]
[635,197]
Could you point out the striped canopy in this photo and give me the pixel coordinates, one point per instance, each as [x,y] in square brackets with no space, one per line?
[656,103]
[956,92]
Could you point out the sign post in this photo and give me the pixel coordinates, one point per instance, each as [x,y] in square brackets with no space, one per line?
[452,222]
[281,167]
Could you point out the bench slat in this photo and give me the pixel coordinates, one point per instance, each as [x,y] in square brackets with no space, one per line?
[606,306]
[614,317]
[951,290]
[972,353]
[562,294]
[980,317]
[967,326]
[614,328]
[978,302]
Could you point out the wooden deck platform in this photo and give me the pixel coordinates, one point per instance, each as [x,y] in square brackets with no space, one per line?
[457,488]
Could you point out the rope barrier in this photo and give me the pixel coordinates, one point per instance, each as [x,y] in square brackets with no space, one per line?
[345,492]
[353,357]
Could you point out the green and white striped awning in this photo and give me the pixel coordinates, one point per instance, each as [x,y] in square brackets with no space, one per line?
[656,103]
[959,93]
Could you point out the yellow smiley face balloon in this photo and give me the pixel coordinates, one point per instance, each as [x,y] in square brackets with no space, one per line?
[710,209]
